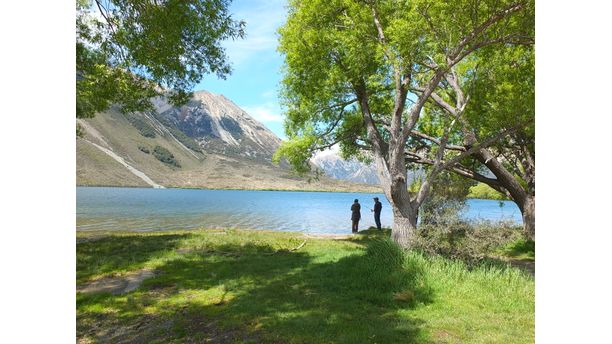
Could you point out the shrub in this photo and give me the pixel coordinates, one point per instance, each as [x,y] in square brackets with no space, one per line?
[470,242]
[164,155]
[80,131]
[139,123]
[446,200]
[144,149]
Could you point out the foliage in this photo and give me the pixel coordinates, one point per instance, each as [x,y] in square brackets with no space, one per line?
[164,155]
[469,242]
[333,52]
[504,81]
[144,149]
[256,286]
[128,51]
[483,191]
[296,152]
[80,131]
[446,200]
[365,76]
[139,123]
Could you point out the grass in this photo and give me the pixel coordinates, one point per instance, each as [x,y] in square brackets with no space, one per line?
[237,286]
[520,249]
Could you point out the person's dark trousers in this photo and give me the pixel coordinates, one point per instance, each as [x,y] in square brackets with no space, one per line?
[355,225]
[377,220]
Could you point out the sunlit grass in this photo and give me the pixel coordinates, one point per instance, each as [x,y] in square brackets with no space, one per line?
[256,286]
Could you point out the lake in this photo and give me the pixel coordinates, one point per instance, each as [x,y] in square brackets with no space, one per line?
[143,209]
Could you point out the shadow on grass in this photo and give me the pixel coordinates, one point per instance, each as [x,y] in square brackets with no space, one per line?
[237,293]
[524,249]
[127,252]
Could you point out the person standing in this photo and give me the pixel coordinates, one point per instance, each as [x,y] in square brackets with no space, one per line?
[355,215]
[377,209]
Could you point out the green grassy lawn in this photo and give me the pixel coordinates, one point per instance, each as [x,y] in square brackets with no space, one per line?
[254,286]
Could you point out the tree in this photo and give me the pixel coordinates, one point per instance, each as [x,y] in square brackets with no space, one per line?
[352,71]
[503,96]
[128,51]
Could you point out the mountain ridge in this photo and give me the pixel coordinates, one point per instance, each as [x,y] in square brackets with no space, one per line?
[352,170]
[207,143]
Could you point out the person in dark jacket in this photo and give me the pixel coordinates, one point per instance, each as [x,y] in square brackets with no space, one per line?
[355,215]
[377,209]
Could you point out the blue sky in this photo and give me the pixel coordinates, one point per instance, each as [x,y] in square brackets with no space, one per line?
[253,84]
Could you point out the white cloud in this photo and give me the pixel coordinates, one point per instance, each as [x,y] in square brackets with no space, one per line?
[263,18]
[269,94]
[267,112]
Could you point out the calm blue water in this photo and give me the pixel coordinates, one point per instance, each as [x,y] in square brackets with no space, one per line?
[315,212]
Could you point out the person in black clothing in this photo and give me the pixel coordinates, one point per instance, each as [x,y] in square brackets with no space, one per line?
[355,215]
[377,209]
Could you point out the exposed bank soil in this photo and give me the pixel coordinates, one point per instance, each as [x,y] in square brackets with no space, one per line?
[117,285]
[158,329]
[525,265]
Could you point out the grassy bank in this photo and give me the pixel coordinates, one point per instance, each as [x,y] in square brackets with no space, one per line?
[483,191]
[274,287]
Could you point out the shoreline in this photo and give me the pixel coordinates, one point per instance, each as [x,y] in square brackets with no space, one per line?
[245,189]
[226,189]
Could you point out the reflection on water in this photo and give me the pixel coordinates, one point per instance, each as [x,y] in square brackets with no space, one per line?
[313,212]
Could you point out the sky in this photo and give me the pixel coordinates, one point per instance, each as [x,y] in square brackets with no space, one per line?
[254,82]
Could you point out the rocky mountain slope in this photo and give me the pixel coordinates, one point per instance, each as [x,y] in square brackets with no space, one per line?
[207,143]
[219,126]
[352,170]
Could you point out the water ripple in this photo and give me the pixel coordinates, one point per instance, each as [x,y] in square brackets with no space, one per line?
[310,212]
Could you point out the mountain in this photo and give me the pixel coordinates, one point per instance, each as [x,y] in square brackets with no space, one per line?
[207,143]
[330,162]
[220,126]
[351,170]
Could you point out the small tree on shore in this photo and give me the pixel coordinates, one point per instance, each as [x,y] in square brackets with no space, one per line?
[350,71]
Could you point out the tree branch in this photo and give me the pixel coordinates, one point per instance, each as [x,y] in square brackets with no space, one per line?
[479,146]
[436,141]
[456,54]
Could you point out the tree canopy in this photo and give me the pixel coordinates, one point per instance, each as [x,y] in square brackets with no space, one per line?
[128,51]
[366,75]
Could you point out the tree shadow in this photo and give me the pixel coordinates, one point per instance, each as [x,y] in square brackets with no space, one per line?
[254,293]
[521,248]
[125,252]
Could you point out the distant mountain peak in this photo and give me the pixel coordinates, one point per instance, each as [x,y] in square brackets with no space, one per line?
[220,126]
[330,162]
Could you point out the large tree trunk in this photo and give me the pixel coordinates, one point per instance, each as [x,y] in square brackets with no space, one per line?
[393,182]
[519,195]
[404,226]
[528,211]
